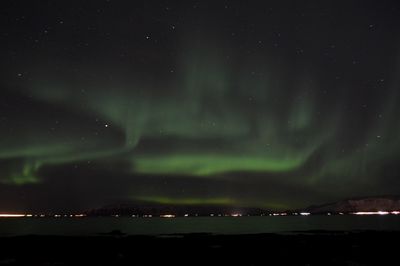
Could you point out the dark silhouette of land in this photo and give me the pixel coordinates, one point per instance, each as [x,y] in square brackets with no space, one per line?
[293,248]
[129,209]
[360,204]
[116,248]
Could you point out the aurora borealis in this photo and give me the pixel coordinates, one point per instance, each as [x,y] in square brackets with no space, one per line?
[244,103]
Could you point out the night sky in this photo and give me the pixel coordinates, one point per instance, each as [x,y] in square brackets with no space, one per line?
[272,104]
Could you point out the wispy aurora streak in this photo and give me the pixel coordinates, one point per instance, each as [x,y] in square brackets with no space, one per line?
[255,112]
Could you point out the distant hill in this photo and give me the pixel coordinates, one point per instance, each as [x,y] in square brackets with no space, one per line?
[366,204]
[129,209]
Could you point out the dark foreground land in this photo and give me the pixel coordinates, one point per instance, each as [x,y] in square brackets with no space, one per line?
[302,248]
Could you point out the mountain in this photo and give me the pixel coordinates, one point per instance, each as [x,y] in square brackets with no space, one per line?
[366,204]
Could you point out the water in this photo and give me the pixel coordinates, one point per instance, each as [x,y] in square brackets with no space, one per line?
[216,225]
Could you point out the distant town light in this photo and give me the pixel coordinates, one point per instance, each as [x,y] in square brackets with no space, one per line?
[280,214]
[305,213]
[167,216]
[371,213]
[9,215]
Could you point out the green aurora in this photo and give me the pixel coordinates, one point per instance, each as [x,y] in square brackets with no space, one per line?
[220,121]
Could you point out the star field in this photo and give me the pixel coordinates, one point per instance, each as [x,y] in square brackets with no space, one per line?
[256,104]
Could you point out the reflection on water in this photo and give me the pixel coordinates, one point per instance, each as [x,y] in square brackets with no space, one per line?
[216,225]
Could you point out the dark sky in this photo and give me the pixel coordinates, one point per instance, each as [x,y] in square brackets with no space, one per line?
[274,104]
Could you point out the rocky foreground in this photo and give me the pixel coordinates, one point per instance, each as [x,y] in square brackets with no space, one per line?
[302,248]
